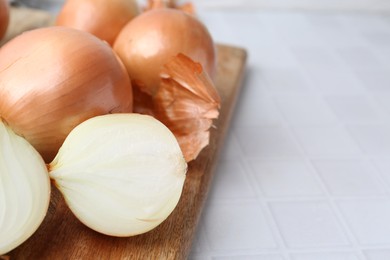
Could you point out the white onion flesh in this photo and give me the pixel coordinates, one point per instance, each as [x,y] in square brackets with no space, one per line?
[120,174]
[24,189]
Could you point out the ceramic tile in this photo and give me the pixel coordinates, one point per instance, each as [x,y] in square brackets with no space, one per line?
[308,224]
[295,110]
[368,219]
[353,108]
[326,256]
[284,80]
[326,141]
[225,223]
[263,142]
[250,257]
[377,254]
[375,79]
[231,182]
[349,178]
[374,139]
[285,179]
[334,80]
[358,57]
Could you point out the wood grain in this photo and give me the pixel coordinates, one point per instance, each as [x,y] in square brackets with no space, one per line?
[62,236]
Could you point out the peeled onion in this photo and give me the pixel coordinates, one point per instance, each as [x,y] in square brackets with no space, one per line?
[154,37]
[103,18]
[4,17]
[121,174]
[24,190]
[54,78]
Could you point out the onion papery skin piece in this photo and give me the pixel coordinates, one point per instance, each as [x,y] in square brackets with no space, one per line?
[103,18]
[24,189]
[4,17]
[54,78]
[121,174]
[154,37]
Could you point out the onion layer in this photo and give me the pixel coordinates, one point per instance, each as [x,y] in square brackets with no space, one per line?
[52,79]
[154,37]
[102,18]
[4,17]
[121,174]
[24,190]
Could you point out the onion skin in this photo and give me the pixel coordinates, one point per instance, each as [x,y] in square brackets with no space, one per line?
[186,7]
[151,39]
[4,17]
[60,78]
[102,18]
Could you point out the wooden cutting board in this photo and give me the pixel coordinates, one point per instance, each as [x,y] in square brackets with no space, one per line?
[62,236]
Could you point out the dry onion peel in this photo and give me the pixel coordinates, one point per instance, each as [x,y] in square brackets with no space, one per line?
[24,189]
[120,174]
[186,102]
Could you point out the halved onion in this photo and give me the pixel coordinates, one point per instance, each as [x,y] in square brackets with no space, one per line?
[121,175]
[103,18]
[54,78]
[24,190]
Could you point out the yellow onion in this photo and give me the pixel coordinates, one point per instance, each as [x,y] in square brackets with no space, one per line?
[170,57]
[4,17]
[54,78]
[102,18]
[154,37]
[154,4]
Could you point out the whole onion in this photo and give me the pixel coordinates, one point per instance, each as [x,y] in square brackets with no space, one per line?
[54,78]
[154,37]
[4,17]
[103,18]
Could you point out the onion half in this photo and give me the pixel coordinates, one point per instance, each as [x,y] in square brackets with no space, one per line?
[24,190]
[54,78]
[121,175]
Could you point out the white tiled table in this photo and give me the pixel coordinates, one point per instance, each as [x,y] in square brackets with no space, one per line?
[305,172]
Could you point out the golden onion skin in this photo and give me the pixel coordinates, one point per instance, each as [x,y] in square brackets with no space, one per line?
[102,18]
[54,78]
[154,37]
[4,17]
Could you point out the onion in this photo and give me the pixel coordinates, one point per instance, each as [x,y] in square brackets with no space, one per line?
[121,175]
[154,4]
[24,190]
[170,57]
[154,37]
[4,17]
[102,18]
[54,78]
